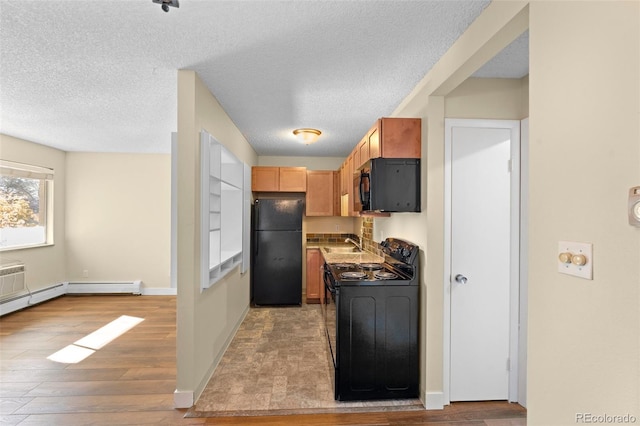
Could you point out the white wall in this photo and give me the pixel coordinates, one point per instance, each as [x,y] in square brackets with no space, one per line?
[584,336]
[118,218]
[45,266]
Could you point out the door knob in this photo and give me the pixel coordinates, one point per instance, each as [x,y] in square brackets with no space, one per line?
[461,279]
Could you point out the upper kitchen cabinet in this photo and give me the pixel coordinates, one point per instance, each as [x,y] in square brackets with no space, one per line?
[322,193]
[390,138]
[278,179]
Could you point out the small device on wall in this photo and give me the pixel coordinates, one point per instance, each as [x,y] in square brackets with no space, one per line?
[634,206]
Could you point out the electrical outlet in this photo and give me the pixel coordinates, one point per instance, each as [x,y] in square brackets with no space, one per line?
[575,259]
[85,273]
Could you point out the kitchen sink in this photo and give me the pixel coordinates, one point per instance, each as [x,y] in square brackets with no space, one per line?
[346,249]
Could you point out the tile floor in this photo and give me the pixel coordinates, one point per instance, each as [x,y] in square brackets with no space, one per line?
[279,361]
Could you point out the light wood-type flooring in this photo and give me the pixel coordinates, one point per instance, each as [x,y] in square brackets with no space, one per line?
[131,380]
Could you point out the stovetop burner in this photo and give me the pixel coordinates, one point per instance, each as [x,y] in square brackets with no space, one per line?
[342,265]
[353,275]
[384,275]
[371,266]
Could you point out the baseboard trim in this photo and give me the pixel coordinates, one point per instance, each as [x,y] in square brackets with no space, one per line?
[434,401]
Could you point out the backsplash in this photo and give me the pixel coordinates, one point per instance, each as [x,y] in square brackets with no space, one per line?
[338,238]
[329,238]
[367,237]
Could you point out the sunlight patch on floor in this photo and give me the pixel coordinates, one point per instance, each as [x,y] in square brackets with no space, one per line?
[72,354]
[86,346]
[102,336]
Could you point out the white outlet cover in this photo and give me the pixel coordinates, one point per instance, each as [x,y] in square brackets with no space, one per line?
[584,271]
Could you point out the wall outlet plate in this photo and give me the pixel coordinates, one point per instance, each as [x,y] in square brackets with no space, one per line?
[583,271]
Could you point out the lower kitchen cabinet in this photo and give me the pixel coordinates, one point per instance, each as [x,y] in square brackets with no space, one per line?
[314,275]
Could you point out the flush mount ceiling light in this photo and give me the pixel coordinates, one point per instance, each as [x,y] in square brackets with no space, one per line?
[166,3]
[307,136]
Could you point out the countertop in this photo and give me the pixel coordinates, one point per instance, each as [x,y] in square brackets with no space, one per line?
[357,257]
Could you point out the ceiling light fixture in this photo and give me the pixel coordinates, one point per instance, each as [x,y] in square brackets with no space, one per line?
[166,3]
[307,136]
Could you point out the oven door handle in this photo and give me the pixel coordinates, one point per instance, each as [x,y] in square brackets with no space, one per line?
[328,281]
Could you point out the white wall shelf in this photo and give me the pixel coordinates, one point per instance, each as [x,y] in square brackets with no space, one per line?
[222,197]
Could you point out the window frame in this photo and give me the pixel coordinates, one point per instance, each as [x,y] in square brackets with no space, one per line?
[45,195]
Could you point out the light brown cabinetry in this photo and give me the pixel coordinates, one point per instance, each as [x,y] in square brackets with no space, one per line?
[391,138]
[387,138]
[322,193]
[278,179]
[314,275]
[349,182]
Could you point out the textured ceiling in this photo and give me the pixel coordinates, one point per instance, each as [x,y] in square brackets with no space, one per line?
[100,76]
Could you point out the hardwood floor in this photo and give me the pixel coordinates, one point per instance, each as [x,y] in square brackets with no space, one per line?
[131,380]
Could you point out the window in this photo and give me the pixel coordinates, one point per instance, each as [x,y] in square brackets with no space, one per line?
[26,200]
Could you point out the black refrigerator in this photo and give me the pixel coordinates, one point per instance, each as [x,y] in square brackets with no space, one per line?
[276,255]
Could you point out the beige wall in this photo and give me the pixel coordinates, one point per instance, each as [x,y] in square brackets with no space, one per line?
[118,217]
[45,266]
[584,336]
[311,163]
[206,321]
[488,98]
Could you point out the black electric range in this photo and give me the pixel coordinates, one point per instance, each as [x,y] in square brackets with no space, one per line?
[371,313]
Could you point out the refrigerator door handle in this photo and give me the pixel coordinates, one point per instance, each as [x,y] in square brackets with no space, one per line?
[257,243]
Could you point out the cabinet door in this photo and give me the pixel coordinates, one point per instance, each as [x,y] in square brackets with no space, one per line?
[336,194]
[363,149]
[356,157]
[400,137]
[374,140]
[293,179]
[314,262]
[320,190]
[264,179]
[350,190]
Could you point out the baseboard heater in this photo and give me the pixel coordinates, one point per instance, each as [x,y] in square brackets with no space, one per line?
[21,301]
[102,287]
[24,299]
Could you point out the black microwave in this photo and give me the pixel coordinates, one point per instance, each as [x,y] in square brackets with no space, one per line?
[388,185]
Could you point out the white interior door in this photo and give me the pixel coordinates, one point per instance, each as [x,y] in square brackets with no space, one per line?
[481,262]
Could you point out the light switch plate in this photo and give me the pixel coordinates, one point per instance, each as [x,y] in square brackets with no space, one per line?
[583,271]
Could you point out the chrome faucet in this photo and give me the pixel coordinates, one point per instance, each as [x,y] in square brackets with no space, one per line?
[357,244]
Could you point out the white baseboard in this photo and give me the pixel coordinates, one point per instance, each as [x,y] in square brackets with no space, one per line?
[33,298]
[434,401]
[182,399]
[103,287]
